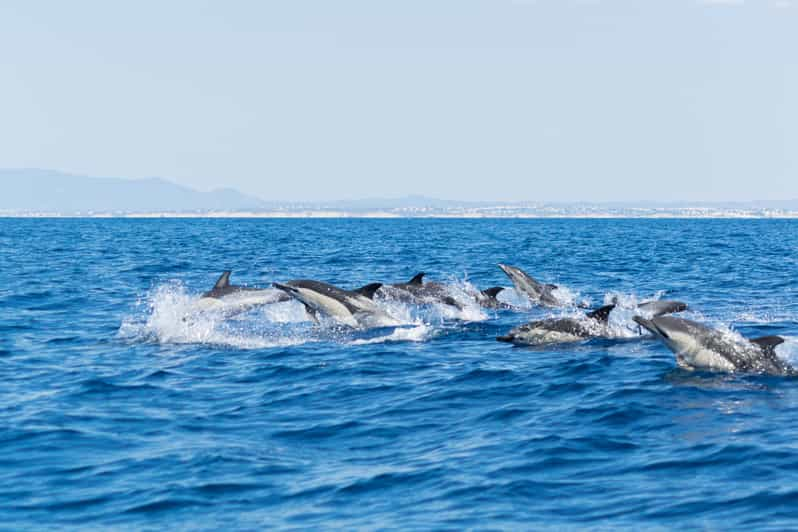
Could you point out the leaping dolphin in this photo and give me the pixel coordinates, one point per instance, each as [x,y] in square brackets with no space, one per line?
[537,292]
[354,308]
[234,299]
[699,347]
[570,329]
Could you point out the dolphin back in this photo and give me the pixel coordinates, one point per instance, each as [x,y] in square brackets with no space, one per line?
[661,308]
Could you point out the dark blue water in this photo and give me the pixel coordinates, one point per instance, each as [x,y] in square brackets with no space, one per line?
[115,412]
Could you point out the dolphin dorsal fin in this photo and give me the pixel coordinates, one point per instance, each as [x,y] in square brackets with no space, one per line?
[493,291]
[368,290]
[223,281]
[767,343]
[551,286]
[417,279]
[602,313]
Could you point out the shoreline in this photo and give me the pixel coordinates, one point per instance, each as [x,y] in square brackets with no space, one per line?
[390,215]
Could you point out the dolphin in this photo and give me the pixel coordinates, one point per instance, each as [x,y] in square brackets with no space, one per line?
[537,292]
[233,299]
[422,292]
[594,324]
[354,308]
[561,330]
[699,347]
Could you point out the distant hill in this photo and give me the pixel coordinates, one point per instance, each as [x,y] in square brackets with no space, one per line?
[48,191]
[34,192]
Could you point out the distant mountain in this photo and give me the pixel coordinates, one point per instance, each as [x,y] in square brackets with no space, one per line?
[34,192]
[48,191]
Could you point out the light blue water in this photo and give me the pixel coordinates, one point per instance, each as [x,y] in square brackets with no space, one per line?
[114,411]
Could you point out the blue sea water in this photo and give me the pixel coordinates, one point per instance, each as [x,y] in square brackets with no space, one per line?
[116,411]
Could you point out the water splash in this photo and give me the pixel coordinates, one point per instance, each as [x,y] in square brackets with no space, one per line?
[569,297]
[418,333]
[788,351]
[170,314]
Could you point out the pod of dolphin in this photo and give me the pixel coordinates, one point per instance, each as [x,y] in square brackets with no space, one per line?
[695,345]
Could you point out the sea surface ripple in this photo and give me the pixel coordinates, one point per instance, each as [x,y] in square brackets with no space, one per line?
[115,411]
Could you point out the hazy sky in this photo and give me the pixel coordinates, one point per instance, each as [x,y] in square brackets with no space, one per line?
[492,99]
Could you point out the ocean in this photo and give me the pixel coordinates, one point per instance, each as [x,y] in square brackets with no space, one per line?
[121,409]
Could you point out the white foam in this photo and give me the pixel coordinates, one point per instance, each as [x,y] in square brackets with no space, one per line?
[419,333]
[788,351]
[513,297]
[566,296]
[402,312]
[286,312]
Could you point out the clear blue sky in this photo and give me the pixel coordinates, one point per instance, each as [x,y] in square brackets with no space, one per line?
[494,99]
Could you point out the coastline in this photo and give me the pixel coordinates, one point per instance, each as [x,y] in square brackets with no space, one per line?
[670,214]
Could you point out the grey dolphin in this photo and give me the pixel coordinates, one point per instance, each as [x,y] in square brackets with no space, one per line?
[560,330]
[700,347]
[537,292]
[234,299]
[569,329]
[223,288]
[422,292]
[354,308]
